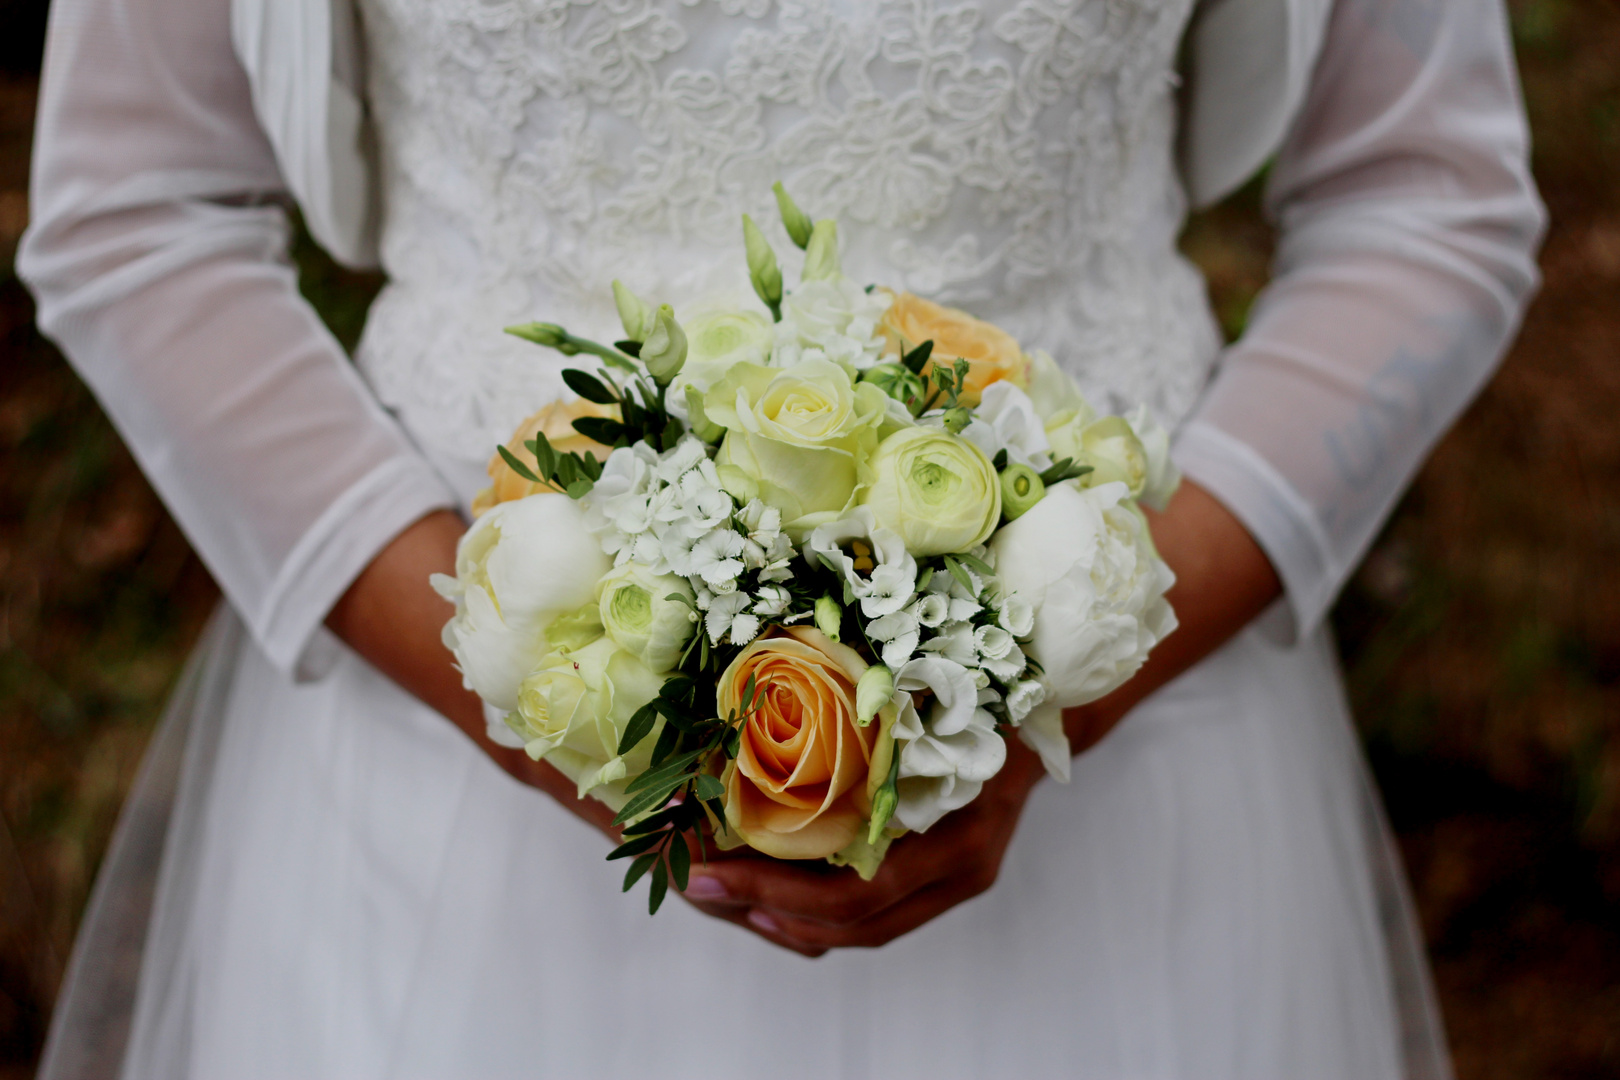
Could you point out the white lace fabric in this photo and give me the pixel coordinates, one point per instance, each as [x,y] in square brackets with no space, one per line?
[1010,158]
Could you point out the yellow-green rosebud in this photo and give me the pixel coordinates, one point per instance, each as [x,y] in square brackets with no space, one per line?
[762,269]
[821,253]
[872,692]
[796,221]
[829,616]
[664,351]
[1021,489]
[634,313]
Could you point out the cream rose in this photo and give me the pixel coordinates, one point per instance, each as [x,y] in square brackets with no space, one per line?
[556,421]
[802,783]
[573,711]
[799,439]
[938,492]
[992,354]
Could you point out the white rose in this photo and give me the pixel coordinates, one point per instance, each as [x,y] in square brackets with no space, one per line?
[521,565]
[1088,566]
[641,619]
[574,709]
[1050,390]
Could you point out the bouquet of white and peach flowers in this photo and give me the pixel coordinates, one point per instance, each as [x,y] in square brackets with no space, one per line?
[793,574]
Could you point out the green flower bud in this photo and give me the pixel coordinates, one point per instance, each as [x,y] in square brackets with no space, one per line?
[956,419]
[697,421]
[664,351]
[762,269]
[1021,488]
[893,379]
[821,253]
[872,692]
[541,333]
[797,221]
[883,804]
[634,313]
[829,616]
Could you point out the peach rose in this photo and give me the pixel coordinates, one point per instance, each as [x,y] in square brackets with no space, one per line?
[801,786]
[557,421]
[992,353]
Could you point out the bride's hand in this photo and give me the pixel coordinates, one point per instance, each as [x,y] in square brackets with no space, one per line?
[1223,580]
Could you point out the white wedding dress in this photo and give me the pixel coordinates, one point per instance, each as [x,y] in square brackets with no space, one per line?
[320,877]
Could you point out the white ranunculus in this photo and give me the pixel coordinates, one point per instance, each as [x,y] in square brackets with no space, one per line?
[522,564]
[1087,564]
[1162,475]
[639,615]
[716,340]
[573,711]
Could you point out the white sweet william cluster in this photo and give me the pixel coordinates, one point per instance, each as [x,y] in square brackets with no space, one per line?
[669,513]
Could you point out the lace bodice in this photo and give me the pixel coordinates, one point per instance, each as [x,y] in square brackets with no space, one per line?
[1013,158]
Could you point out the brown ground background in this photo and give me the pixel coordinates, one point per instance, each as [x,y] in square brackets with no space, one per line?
[1481,638]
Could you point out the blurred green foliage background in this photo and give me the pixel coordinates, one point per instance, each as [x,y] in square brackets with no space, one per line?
[1481,638]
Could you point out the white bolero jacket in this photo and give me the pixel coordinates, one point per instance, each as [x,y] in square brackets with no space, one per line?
[169,129]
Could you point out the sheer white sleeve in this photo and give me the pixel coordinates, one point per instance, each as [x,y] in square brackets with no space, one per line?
[1408,228]
[157,255]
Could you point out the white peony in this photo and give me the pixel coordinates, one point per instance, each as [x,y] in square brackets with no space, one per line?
[521,565]
[1086,563]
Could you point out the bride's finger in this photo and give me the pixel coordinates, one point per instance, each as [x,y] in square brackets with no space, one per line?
[765,928]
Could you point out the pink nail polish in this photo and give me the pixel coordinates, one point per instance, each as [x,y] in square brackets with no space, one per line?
[703,887]
[763,921]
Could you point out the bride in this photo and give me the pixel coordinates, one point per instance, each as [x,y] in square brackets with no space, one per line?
[324,872]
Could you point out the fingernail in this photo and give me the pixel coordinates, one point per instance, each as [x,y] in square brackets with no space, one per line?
[703,887]
[763,921]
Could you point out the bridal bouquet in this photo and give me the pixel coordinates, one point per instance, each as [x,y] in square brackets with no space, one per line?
[795,573]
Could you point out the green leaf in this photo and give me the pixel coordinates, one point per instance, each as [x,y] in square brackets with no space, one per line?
[917,358]
[959,572]
[603,430]
[670,770]
[680,862]
[748,694]
[651,799]
[544,454]
[719,810]
[974,563]
[635,847]
[640,726]
[999,462]
[709,787]
[637,868]
[660,886]
[678,598]
[633,348]
[668,739]
[518,466]
[579,489]
[653,822]
[591,467]
[589,387]
[924,578]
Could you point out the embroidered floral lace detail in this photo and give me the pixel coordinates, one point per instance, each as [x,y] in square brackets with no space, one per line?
[1009,156]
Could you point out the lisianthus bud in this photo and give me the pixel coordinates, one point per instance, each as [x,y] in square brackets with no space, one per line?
[762,269]
[797,222]
[636,612]
[697,421]
[541,333]
[1021,489]
[634,313]
[821,253]
[883,804]
[664,351]
[872,692]
[829,616]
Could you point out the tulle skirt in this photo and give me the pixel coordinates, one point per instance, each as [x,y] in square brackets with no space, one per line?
[328,880]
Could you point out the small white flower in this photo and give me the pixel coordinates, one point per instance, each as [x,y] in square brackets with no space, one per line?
[722,612]
[744,628]
[932,609]
[963,609]
[993,642]
[686,455]
[714,557]
[1005,668]
[771,600]
[955,644]
[890,589]
[899,632]
[1023,697]
[1017,616]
